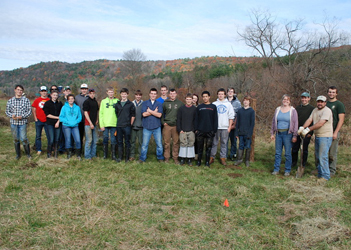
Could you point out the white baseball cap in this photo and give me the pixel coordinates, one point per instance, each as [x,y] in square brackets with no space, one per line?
[84,86]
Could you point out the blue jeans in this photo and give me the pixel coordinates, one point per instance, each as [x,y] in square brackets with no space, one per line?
[233,146]
[322,145]
[109,132]
[244,142]
[68,131]
[283,139]
[90,142]
[19,133]
[54,134]
[38,129]
[146,139]
[124,132]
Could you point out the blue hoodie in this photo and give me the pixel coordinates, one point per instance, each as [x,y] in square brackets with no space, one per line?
[70,116]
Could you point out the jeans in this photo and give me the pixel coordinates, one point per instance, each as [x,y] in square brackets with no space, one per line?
[146,139]
[19,133]
[134,135]
[333,154]
[322,145]
[38,129]
[222,135]
[244,142]
[233,143]
[124,132]
[296,148]
[90,142]
[54,134]
[283,139]
[109,132]
[68,131]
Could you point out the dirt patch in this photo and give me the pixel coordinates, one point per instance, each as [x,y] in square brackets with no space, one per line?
[233,175]
[234,167]
[257,170]
[4,121]
[29,165]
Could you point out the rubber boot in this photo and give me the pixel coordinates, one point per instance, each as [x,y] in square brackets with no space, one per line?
[79,154]
[18,150]
[190,161]
[181,162]
[120,154]
[56,146]
[69,151]
[105,148]
[208,157]
[199,156]
[239,157]
[27,149]
[49,151]
[113,152]
[247,157]
[127,154]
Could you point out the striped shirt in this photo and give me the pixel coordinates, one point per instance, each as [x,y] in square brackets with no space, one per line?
[18,107]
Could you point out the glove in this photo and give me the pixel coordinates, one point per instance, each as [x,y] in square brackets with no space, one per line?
[300,130]
[305,132]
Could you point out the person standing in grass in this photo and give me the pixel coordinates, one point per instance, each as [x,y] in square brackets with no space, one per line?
[338,109]
[236,106]
[63,100]
[91,109]
[169,122]
[52,109]
[206,125]
[125,112]
[186,127]
[322,119]
[152,112]
[137,127]
[245,123]
[18,109]
[108,122]
[71,116]
[226,117]
[79,100]
[284,132]
[40,117]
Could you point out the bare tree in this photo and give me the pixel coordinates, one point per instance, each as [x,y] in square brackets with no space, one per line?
[132,64]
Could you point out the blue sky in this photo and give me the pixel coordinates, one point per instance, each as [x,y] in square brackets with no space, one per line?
[75,30]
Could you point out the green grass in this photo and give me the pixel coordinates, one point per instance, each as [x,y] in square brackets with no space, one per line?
[61,204]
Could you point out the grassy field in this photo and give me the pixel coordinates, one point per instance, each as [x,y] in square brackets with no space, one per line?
[61,204]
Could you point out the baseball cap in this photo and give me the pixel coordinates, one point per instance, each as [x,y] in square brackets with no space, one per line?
[43,88]
[306,94]
[67,87]
[84,86]
[321,98]
[91,90]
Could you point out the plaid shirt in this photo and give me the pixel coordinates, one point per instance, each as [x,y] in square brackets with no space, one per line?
[18,107]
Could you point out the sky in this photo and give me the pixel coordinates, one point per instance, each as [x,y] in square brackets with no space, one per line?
[33,31]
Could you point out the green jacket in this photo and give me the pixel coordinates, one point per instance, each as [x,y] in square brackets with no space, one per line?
[170,111]
[107,114]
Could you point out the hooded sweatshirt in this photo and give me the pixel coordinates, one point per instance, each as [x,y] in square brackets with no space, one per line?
[107,115]
[70,116]
[170,110]
[225,113]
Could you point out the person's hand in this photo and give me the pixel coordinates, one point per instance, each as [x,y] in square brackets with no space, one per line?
[335,135]
[272,137]
[57,124]
[182,132]
[14,117]
[294,139]
[92,126]
[102,128]
[305,132]
[300,130]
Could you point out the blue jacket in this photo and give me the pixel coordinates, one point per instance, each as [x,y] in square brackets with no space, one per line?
[70,116]
[151,122]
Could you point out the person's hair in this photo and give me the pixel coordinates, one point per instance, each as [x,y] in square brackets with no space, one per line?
[54,86]
[333,87]
[54,91]
[164,86]
[124,90]
[205,92]
[109,89]
[138,92]
[172,90]
[189,95]
[247,98]
[153,89]
[19,86]
[221,90]
[286,95]
[197,101]
[70,96]
[230,88]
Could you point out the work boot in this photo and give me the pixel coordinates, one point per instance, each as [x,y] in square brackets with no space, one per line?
[120,154]
[56,149]
[190,161]
[208,157]
[113,152]
[182,160]
[18,150]
[79,153]
[239,157]
[211,160]
[105,148]
[127,154]
[223,161]
[247,157]
[199,156]
[27,149]
[69,151]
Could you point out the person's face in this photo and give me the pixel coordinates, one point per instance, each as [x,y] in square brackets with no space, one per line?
[246,103]
[173,95]
[189,101]
[138,98]
[43,93]
[110,94]
[92,95]
[153,95]
[286,101]
[70,100]
[67,92]
[205,98]
[194,99]
[53,88]
[124,95]
[18,91]
[321,104]
[164,91]
[84,91]
[54,96]
[231,93]
[332,94]
[305,100]
[221,95]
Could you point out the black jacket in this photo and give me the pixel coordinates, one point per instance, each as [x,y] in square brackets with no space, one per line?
[124,114]
[52,108]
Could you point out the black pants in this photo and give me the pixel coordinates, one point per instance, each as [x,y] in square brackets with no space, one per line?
[81,127]
[296,148]
[203,138]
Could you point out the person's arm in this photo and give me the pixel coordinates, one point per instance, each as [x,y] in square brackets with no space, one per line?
[87,117]
[339,125]
[307,122]
[317,125]
[230,125]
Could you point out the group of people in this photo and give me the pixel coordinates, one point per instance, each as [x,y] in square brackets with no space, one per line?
[128,125]
[292,129]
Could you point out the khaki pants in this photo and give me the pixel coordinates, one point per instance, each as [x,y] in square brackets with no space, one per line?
[168,133]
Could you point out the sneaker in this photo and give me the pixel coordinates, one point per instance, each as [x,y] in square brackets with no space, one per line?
[286,174]
[275,173]
[39,153]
